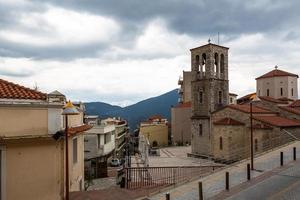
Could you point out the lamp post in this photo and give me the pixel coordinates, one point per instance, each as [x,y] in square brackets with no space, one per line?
[251,137]
[69,109]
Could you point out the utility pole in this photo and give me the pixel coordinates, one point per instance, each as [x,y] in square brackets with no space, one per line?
[251,138]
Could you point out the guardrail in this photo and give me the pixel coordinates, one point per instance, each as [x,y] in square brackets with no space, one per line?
[144,177]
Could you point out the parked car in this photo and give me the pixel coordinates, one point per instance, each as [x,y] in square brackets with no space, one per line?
[115,162]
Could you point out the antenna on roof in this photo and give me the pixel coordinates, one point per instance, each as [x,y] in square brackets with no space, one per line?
[218,38]
[209,40]
[276,67]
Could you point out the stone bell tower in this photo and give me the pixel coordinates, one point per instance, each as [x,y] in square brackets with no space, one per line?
[210,91]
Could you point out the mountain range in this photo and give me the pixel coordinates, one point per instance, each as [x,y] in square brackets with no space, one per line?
[134,114]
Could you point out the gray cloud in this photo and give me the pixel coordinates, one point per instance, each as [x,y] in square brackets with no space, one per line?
[197,17]
[194,18]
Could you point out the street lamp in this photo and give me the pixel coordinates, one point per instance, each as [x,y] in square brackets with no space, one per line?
[69,109]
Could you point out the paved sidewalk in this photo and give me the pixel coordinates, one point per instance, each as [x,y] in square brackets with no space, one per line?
[215,183]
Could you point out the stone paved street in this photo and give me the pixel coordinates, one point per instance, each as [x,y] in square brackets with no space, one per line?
[215,183]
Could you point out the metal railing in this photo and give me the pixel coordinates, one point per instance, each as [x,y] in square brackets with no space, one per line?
[145,177]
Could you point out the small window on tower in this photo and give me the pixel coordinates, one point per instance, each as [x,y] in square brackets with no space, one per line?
[281,91]
[268,92]
[292,92]
[221,143]
[200,130]
[220,97]
[200,97]
[256,145]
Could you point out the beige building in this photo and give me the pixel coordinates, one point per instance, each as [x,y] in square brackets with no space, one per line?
[278,84]
[32,147]
[181,123]
[155,130]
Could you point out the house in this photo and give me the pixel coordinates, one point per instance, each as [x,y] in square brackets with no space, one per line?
[99,145]
[32,147]
[155,130]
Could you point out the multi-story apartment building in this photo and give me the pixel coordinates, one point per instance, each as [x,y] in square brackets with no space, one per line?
[99,145]
[32,146]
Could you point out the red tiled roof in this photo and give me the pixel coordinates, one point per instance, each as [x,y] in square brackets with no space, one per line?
[294,110]
[295,103]
[273,100]
[9,90]
[184,105]
[285,99]
[154,117]
[276,72]
[228,121]
[79,129]
[278,121]
[255,109]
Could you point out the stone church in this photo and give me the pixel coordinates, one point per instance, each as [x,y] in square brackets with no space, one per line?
[210,91]
[221,130]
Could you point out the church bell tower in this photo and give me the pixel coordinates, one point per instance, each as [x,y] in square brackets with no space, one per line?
[210,91]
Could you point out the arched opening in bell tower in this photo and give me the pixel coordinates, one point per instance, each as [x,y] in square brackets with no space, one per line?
[216,64]
[198,67]
[222,63]
[203,62]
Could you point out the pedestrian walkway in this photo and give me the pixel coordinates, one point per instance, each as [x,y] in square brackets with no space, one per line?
[215,183]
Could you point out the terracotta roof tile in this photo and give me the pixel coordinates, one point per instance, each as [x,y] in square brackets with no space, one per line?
[9,90]
[184,105]
[294,110]
[276,72]
[278,121]
[295,103]
[229,122]
[255,109]
[273,100]
[79,129]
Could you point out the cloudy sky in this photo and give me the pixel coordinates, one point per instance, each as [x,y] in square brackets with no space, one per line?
[123,51]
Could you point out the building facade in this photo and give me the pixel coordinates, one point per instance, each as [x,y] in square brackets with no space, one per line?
[99,145]
[278,84]
[32,150]
[155,130]
[210,91]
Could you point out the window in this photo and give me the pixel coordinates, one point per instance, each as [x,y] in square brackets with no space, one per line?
[203,62]
[221,143]
[200,97]
[75,150]
[255,145]
[292,92]
[281,91]
[231,100]
[216,63]
[222,63]
[200,130]
[98,140]
[198,63]
[220,97]
[258,92]
[268,92]
[107,138]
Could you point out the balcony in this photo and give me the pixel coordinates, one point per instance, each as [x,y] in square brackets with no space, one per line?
[180,81]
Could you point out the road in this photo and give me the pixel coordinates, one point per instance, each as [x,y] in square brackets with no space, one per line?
[282,185]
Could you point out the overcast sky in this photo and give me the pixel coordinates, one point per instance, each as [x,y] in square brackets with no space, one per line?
[123,51]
